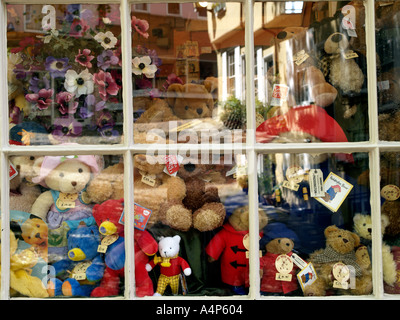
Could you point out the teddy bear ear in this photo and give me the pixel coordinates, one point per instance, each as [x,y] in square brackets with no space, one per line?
[173,92]
[177,239]
[356,239]
[37,164]
[330,230]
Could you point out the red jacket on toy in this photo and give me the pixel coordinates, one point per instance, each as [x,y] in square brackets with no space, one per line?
[228,244]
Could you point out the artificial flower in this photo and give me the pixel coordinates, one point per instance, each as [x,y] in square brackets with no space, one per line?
[42,99]
[141,26]
[78,28]
[142,65]
[107,40]
[79,84]
[172,78]
[57,66]
[67,103]
[105,120]
[106,59]
[66,128]
[83,58]
[38,82]
[106,84]
[109,133]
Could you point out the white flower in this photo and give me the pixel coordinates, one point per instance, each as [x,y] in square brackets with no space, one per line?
[143,65]
[107,40]
[79,83]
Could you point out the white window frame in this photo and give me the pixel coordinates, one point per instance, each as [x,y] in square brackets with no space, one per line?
[373,147]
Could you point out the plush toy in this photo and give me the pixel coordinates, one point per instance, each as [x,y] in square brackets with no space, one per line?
[108,218]
[23,192]
[200,208]
[363,228]
[21,264]
[157,111]
[230,246]
[65,204]
[278,272]
[389,126]
[190,100]
[34,231]
[338,263]
[171,265]
[84,265]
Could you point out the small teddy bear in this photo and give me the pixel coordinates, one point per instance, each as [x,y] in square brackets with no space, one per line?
[339,263]
[171,265]
[230,246]
[34,231]
[65,204]
[278,272]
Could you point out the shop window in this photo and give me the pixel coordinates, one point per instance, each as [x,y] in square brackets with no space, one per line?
[260,142]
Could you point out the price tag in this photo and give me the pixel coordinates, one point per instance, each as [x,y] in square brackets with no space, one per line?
[350,54]
[300,57]
[79,272]
[172,163]
[13,172]
[107,241]
[316,181]
[149,179]
[279,94]
[290,185]
[284,265]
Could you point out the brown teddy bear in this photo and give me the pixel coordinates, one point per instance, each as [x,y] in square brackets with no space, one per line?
[190,100]
[333,265]
[230,245]
[201,207]
[277,270]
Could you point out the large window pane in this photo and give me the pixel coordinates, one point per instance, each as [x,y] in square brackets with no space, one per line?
[64,74]
[313,73]
[319,224]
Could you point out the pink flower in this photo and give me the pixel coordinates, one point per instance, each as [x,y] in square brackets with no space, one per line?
[141,26]
[106,84]
[84,58]
[66,102]
[42,98]
[78,28]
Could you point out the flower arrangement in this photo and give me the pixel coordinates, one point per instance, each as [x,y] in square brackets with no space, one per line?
[71,77]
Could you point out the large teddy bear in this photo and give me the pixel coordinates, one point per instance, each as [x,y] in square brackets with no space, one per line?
[230,247]
[84,266]
[108,218]
[65,204]
[337,259]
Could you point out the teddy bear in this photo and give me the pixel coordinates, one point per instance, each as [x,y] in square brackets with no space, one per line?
[230,246]
[108,218]
[190,100]
[338,263]
[363,228]
[278,272]
[65,203]
[201,207]
[21,263]
[34,231]
[84,266]
[171,265]
[157,111]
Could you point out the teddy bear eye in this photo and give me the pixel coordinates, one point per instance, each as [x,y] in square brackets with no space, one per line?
[186,107]
[61,175]
[80,170]
[31,158]
[38,226]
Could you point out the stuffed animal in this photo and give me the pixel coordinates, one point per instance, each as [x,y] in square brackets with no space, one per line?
[230,246]
[171,265]
[338,263]
[65,204]
[21,264]
[190,100]
[278,272]
[200,208]
[389,126]
[84,265]
[157,111]
[363,228]
[34,231]
[108,218]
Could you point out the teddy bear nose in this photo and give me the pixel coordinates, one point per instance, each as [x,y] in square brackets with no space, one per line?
[337,38]
[369,230]
[345,240]
[73,183]
[37,235]
[199,111]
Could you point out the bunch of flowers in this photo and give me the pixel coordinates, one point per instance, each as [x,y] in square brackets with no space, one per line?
[73,80]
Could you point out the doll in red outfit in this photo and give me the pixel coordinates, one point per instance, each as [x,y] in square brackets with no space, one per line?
[230,245]
[171,265]
[277,267]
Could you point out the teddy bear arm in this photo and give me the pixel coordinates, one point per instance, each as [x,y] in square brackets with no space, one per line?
[147,243]
[62,266]
[115,257]
[27,285]
[42,205]
[24,260]
[96,269]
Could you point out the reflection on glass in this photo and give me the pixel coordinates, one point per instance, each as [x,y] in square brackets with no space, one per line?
[188,69]
[318,208]
[67,230]
[310,56]
[64,74]
[202,199]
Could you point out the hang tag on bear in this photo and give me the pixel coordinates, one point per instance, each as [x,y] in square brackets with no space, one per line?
[390,192]
[12,171]
[316,181]
[106,242]
[300,57]
[341,273]
[66,200]
[79,271]
[284,266]
[149,179]
[172,164]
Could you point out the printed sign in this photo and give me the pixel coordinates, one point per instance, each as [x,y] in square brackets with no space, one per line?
[172,163]
[13,172]
[142,216]
[279,94]
[307,276]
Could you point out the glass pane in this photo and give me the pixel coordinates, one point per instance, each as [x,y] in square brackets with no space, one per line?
[187,73]
[311,80]
[201,201]
[67,236]
[387,49]
[64,74]
[318,210]
[390,183]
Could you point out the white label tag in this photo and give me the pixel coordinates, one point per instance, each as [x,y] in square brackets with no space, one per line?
[316,181]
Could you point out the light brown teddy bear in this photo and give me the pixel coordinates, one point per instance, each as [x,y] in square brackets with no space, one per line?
[190,100]
[158,111]
[340,268]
